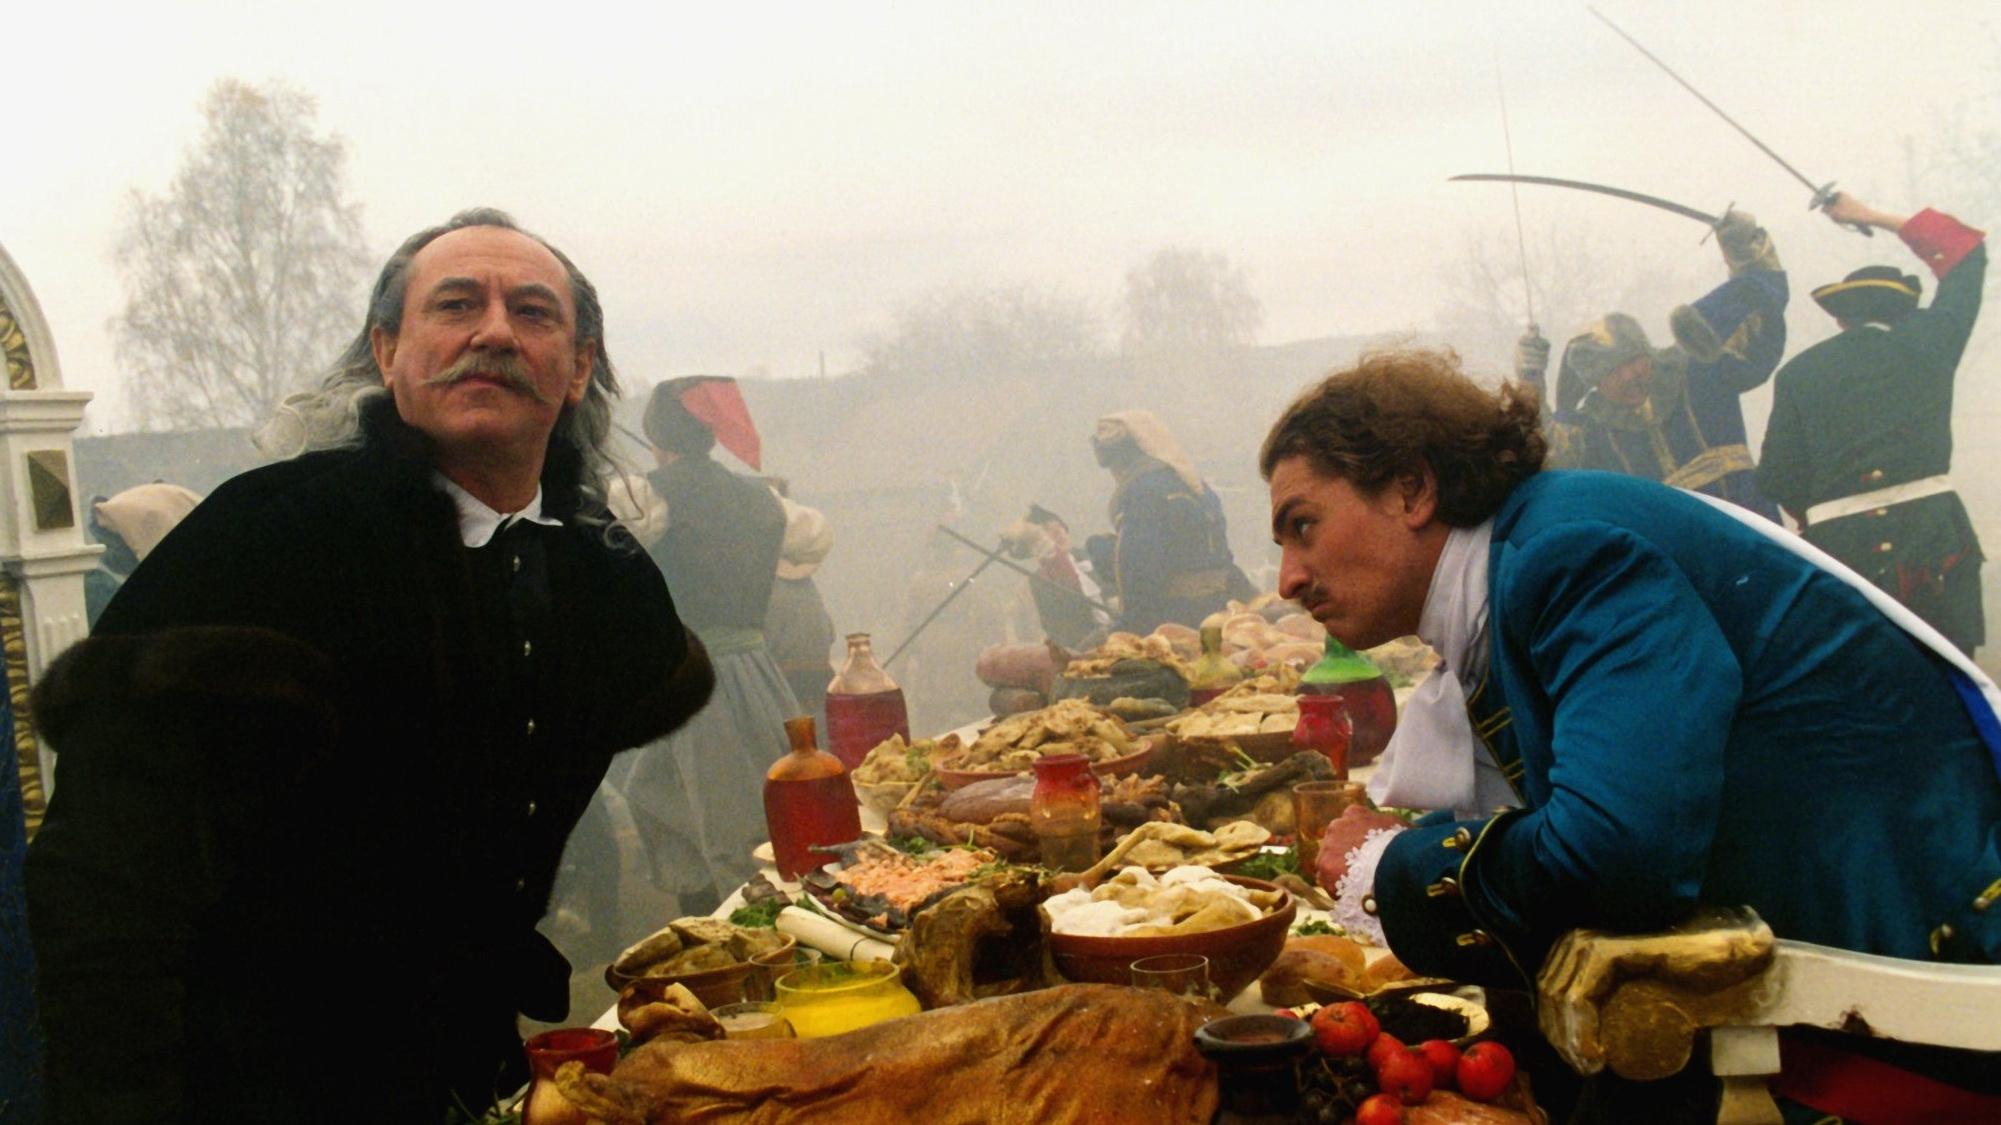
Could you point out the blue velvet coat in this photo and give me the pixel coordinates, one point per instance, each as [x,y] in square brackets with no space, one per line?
[1694,715]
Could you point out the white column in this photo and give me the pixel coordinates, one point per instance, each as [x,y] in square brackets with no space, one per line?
[43,548]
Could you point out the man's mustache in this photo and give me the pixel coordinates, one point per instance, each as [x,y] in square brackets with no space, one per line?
[504,368]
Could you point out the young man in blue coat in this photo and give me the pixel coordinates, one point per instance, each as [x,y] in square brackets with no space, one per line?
[1677,706]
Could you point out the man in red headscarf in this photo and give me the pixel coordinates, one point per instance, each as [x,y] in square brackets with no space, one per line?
[697,794]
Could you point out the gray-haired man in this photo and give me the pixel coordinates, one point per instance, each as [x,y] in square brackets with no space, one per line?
[318,763]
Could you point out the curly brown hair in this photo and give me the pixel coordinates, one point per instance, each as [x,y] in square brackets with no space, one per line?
[1399,410]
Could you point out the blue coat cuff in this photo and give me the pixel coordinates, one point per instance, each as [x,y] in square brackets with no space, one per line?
[1429,902]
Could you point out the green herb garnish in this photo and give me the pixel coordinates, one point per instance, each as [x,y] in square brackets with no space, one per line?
[758,915]
[985,870]
[1318,926]
[911,845]
[1271,865]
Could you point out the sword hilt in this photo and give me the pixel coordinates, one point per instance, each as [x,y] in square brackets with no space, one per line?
[1718,224]
[1824,197]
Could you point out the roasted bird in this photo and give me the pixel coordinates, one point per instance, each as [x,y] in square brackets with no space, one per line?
[1072,1055]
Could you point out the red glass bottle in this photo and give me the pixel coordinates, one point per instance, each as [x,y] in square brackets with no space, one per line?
[1063,810]
[864,706]
[1372,704]
[808,801]
[1324,727]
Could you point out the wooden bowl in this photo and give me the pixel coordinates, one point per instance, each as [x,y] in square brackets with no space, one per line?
[1110,767]
[713,987]
[1237,954]
[1268,747]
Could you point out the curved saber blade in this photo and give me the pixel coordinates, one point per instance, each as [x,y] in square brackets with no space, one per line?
[1600,189]
[1823,194]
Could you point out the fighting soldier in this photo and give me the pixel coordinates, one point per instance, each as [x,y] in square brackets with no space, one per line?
[1672,414]
[1860,440]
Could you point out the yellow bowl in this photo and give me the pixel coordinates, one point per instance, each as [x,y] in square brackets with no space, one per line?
[842,996]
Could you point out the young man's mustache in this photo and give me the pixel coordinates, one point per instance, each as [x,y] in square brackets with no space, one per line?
[504,368]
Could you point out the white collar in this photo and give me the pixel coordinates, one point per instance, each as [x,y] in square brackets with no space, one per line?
[1454,619]
[478,523]
[1434,760]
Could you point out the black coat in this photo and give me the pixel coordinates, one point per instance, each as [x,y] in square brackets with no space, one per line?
[303,826]
[1871,408]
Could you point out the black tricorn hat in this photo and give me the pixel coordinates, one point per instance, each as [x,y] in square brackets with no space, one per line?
[1878,293]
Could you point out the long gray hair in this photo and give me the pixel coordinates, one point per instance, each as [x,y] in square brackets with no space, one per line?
[330,415]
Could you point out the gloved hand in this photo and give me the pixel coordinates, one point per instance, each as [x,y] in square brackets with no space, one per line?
[1531,357]
[1745,244]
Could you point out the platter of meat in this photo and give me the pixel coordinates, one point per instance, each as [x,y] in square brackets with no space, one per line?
[880,887]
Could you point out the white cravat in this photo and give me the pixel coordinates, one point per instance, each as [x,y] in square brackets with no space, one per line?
[478,523]
[1434,760]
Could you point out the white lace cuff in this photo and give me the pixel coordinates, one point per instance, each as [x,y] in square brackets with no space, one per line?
[1359,882]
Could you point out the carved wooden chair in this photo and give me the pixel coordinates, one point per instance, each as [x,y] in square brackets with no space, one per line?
[1634,1002]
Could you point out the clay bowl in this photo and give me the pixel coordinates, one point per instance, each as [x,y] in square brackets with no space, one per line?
[1237,954]
[713,987]
[1110,767]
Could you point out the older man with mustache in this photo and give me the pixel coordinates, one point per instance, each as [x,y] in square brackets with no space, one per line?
[1649,701]
[317,765]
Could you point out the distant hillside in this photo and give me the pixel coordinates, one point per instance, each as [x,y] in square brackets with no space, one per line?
[196,459]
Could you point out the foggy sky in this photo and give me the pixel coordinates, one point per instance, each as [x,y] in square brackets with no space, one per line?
[750,189]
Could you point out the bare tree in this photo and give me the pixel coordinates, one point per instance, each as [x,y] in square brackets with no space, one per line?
[1575,279]
[965,332]
[1188,300]
[1959,157]
[243,277]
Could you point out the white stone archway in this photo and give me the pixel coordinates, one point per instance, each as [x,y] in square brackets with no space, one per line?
[43,552]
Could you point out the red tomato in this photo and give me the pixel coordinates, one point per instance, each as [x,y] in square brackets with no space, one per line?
[1485,1070]
[1379,1109]
[1381,1048]
[1404,1075]
[1444,1060]
[1344,1029]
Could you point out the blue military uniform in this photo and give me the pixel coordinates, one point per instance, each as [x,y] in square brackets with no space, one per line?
[1690,431]
[1692,714]
[1171,557]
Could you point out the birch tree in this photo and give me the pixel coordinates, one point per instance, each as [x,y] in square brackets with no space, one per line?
[244,276]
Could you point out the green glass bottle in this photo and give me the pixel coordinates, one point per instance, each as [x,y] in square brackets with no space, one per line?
[1213,674]
[1371,703]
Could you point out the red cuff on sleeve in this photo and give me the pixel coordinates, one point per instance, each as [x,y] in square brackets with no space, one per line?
[1939,239]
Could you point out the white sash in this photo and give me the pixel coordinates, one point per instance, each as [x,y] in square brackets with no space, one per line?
[1976,684]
